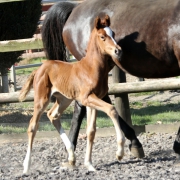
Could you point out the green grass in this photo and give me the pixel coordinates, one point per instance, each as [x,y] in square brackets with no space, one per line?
[142,113]
[154,112]
[29,70]
[12,129]
[25,71]
[8,129]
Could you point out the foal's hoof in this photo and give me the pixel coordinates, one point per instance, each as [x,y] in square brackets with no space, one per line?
[68,165]
[119,157]
[89,166]
[137,152]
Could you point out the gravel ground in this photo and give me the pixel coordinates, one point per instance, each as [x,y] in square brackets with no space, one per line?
[48,154]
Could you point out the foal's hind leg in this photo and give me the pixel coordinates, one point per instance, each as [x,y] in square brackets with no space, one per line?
[91,130]
[54,115]
[39,106]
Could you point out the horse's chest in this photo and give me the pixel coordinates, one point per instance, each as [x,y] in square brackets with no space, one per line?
[101,88]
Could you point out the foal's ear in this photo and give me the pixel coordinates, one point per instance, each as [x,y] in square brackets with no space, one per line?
[97,23]
[100,23]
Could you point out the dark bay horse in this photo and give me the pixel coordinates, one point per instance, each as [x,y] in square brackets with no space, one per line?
[78,81]
[147,31]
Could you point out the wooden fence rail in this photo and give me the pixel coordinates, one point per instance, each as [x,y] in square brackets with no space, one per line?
[114,88]
[5,1]
[21,44]
[50,4]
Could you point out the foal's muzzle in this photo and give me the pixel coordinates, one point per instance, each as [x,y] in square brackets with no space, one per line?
[118,51]
[118,54]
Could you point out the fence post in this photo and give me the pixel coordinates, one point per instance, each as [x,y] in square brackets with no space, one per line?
[121,100]
[13,78]
[0,84]
[5,83]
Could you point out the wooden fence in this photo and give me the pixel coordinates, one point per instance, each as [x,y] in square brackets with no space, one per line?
[23,44]
[114,89]
[119,89]
[5,1]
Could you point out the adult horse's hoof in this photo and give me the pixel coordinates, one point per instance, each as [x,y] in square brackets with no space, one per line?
[137,152]
[177,161]
[68,165]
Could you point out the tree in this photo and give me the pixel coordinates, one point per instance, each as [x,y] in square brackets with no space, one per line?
[18,20]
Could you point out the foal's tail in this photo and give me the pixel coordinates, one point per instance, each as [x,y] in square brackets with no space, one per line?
[26,88]
[52,30]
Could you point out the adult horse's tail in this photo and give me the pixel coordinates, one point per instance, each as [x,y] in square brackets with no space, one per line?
[27,86]
[52,30]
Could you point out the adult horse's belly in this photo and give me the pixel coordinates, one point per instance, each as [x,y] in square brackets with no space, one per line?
[144,29]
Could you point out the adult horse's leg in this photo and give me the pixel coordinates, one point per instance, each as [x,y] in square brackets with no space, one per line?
[176,148]
[79,113]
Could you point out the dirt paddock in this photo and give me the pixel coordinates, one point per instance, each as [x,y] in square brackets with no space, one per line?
[49,153]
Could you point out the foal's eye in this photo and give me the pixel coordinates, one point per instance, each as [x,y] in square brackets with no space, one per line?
[103,38]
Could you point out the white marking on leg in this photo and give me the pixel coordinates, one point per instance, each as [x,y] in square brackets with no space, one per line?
[119,134]
[68,144]
[120,143]
[27,161]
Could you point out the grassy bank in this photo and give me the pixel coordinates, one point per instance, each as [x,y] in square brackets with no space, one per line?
[152,112]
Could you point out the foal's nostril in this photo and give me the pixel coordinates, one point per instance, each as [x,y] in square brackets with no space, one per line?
[117,51]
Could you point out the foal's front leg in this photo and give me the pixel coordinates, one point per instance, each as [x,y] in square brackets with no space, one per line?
[91,130]
[94,102]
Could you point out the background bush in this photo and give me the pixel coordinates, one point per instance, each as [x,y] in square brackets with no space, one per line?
[18,20]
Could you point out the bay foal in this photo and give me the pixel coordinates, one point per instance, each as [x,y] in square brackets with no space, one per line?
[85,81]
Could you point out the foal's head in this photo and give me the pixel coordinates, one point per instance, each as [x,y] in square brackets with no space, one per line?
[105,39]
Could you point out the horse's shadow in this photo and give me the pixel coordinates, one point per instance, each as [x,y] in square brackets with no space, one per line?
[165,100]
[154,157]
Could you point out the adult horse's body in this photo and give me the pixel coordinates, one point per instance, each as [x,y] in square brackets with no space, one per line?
[147,31]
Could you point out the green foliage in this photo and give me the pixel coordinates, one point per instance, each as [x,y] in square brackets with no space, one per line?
[18,21]
[153,112]
[28,71]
